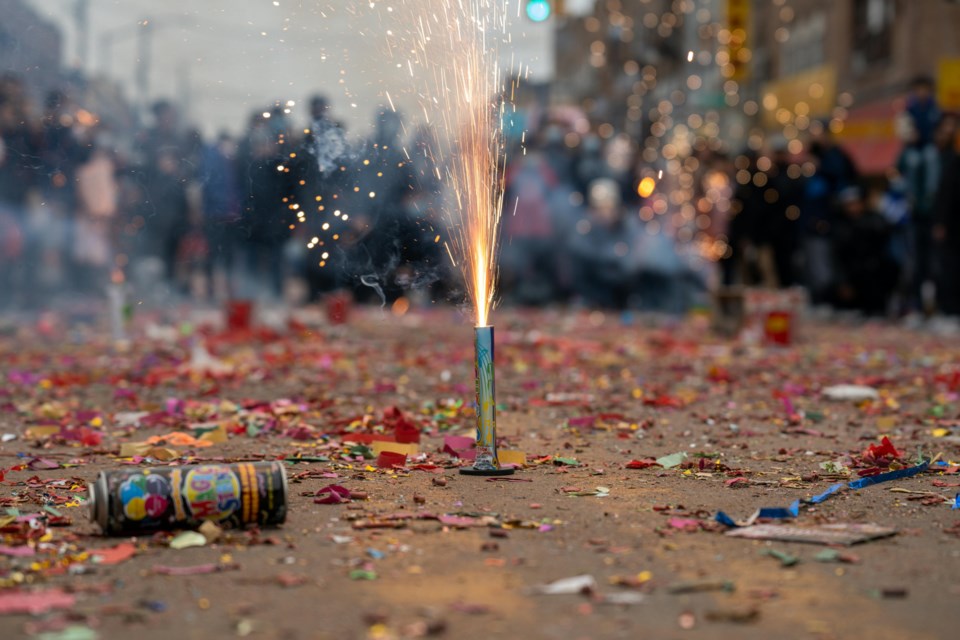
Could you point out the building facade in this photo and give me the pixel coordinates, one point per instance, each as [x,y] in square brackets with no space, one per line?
[760,68]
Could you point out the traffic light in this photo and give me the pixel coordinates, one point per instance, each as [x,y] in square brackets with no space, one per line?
[538,10]
[543,10]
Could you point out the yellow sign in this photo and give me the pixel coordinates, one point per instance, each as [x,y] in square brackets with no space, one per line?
[738,23]
[948,84]
[811,93]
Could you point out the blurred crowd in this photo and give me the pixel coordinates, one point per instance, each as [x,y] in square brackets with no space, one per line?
[281,207]
[608,232]
[881,245]
[289,211]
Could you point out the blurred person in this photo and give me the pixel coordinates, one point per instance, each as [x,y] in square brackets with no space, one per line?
[166,212]
[946,230]
[20,162]
[664,280]
[528,254]
[740,264]
[767,225]
[590,165]
[221,212]
[834,171]
[161,175]
[618,155]
[379,206]
[866,274]
[603,248]
[163,135]
[97,200]
[783,197]
[919,166]
[66,146]
[923,110]
[265,217]
[946,137]
[894,205]
[425,264]
[833,165]
[317,166]
[557,153]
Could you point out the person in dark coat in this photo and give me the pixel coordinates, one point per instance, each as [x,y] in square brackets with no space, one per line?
[834,172]
[265,217]
[866,274]
[20,164]
[783,198]
[946,229]
[221,206]
[741,266]
[165,210]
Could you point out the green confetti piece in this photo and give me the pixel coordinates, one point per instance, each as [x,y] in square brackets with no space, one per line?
[362,574]
[785,559]
[672,460]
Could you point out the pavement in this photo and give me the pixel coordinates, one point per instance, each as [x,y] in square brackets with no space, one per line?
[633,433]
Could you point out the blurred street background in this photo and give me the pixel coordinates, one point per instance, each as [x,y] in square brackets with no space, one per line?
[663,153]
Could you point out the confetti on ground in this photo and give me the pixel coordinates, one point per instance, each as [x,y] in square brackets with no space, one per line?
[628,442]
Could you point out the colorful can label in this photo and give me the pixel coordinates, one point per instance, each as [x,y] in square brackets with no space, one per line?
[146,500]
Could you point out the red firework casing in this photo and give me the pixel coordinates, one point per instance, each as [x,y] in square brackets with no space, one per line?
[778,327]
[239,315]
[338,307]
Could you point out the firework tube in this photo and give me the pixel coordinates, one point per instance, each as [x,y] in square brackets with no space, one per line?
[486,463]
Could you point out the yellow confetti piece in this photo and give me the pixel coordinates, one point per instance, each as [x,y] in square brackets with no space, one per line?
[409,449]
[41,431]
[886,423]
[509,456]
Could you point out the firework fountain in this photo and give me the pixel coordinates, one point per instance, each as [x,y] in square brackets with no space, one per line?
[477,178]
[456,42]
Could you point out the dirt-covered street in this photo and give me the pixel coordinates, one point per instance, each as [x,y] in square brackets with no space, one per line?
[631,434]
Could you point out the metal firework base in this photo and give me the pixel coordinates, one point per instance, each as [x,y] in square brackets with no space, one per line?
[486,463]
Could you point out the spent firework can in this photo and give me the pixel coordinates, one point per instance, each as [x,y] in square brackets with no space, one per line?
[137,501]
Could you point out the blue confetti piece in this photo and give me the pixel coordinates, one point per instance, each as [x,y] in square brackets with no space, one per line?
[956,502]
[769,513]
[779,513]
[826,494]
[724,519]
[885,477]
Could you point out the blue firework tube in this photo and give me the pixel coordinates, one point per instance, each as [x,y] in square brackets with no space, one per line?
[486,401]
[486,463]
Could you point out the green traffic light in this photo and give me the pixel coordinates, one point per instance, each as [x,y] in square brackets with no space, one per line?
[538,10]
